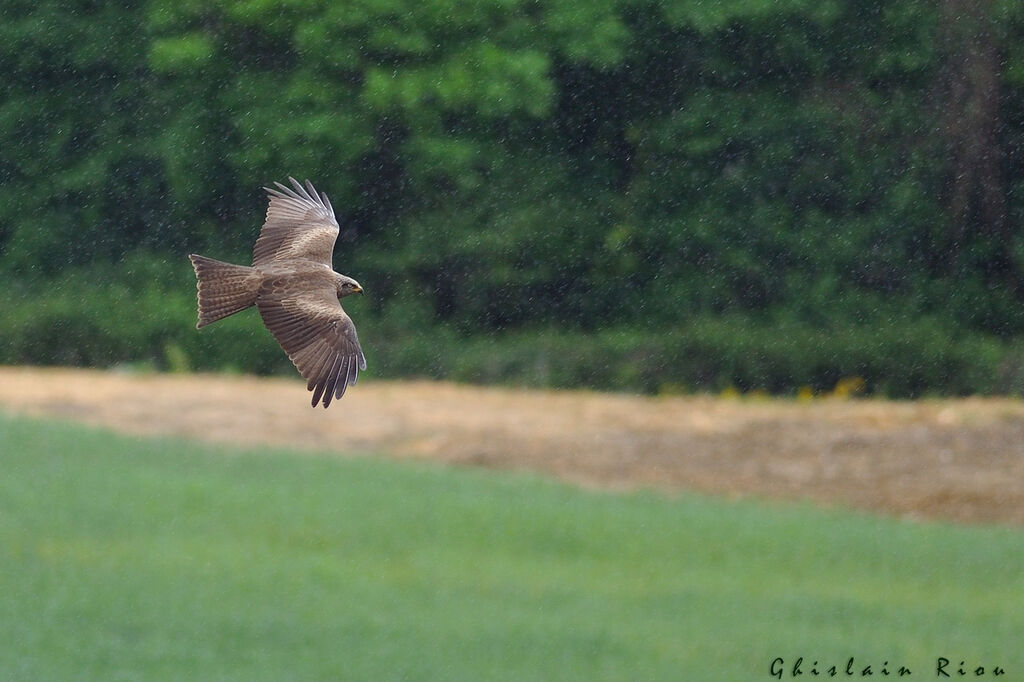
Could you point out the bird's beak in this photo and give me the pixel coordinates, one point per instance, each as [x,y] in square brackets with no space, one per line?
[358,289]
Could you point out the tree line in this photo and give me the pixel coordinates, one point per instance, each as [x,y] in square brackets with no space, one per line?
[627,187]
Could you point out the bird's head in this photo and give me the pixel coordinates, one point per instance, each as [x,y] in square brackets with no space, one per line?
[348,286]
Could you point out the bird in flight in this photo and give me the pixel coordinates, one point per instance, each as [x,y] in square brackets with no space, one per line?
[294,287]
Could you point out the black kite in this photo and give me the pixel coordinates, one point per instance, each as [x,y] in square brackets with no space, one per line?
[293,285]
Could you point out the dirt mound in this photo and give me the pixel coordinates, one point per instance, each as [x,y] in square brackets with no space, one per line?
[960,460]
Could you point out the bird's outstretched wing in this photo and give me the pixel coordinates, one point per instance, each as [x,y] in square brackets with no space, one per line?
[300,224]
[319,338]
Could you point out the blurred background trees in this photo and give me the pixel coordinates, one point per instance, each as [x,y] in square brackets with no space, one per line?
[627,194]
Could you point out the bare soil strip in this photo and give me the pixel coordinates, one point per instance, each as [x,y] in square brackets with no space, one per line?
[960,460]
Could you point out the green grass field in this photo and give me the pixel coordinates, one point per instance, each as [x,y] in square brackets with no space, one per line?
[134,559]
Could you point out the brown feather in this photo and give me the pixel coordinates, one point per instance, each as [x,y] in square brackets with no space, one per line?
[222,288]
[299,225]
[293,286]
[310,325]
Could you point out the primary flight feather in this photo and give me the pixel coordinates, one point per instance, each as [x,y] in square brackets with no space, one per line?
[294,287]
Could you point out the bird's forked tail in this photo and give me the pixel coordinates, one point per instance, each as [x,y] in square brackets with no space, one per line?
[224,288]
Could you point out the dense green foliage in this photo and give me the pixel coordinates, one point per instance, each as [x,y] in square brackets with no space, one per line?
[673,173]
[128,559]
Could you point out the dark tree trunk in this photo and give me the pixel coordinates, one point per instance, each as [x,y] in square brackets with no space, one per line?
[975,192]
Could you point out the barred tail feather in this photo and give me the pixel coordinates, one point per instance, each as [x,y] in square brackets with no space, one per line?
[224,289]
